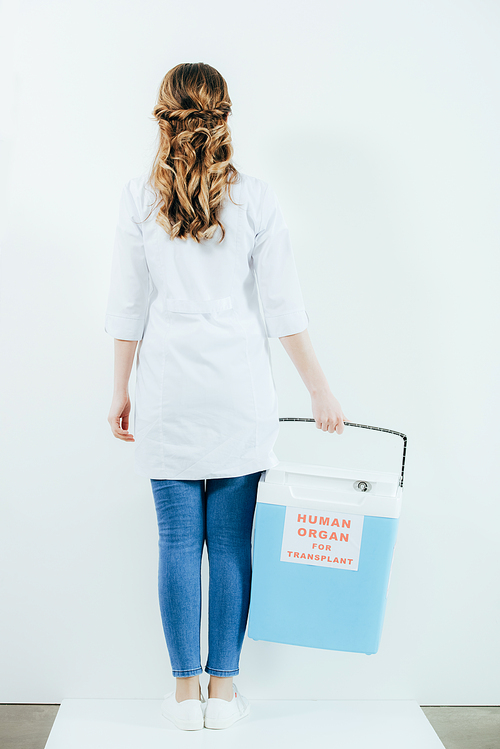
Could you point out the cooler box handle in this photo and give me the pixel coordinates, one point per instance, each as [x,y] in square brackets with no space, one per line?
[364,426]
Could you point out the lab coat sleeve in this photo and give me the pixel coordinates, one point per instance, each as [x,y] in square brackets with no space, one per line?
[276,272]
[128,296]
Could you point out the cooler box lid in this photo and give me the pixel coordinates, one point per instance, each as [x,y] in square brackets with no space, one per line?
[364,491]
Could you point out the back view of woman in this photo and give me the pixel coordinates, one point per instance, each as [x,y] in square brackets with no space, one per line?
[199,247]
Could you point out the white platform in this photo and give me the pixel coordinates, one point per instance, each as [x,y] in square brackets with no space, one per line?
[342,724]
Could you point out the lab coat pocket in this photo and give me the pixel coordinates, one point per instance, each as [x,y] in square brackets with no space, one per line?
[198,306]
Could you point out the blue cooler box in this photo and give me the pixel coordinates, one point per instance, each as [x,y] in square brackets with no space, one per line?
[322,554]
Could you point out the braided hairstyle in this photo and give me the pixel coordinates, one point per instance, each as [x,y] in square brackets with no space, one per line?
[192,173]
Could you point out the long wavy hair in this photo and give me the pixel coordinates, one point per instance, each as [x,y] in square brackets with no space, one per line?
[192,171]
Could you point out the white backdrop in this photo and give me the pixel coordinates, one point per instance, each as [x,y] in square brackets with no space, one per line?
[377,124]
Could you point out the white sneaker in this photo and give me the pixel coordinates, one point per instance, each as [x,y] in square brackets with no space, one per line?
[187,715]
[222,713]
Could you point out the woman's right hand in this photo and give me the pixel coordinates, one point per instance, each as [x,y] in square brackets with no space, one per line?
[327,412]
[120,411]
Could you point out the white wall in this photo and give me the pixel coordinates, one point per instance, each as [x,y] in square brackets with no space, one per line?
[377,123]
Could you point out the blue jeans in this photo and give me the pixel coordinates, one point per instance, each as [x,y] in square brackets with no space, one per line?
[220,511]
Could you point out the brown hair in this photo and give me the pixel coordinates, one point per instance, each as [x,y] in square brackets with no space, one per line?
[191,172]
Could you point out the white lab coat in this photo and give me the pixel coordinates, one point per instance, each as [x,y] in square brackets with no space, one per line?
[205,403]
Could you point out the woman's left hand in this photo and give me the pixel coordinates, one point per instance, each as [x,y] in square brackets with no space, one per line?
[120,411]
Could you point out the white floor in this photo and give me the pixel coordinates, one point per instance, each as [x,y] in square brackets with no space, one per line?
[346,724]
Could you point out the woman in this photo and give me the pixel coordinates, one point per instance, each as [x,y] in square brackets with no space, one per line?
[197,244]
